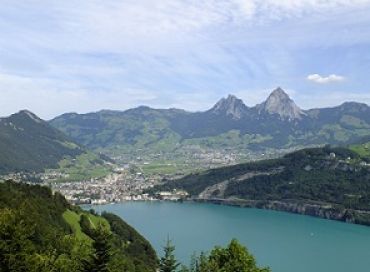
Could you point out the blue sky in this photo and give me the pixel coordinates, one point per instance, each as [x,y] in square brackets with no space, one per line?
[82,56]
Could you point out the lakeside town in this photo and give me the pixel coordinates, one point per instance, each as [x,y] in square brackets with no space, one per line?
[119,186]
[114,188]
[125,182]
[132,174]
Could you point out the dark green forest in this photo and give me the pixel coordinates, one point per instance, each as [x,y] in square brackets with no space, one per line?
[34,236]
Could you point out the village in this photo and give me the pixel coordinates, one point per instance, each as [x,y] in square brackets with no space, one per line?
[121,185]
[114,188]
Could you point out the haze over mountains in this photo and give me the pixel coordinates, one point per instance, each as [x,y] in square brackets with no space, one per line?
[277,123]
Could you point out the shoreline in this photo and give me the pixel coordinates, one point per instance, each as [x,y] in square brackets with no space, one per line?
[325,211]
[320,210]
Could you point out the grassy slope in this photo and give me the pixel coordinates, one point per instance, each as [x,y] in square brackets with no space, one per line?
[83,167]
[362,149]
[73,218]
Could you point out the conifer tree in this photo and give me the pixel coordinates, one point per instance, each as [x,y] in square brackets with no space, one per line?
[168,262]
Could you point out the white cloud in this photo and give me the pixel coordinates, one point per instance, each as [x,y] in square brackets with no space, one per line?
[324,80]
[292,8]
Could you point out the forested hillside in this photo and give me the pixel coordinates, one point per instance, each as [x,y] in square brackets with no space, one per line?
[326,182]
[40,231]
[29,144]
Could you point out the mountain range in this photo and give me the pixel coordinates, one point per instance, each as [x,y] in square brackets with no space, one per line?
[277,123]
[28,143]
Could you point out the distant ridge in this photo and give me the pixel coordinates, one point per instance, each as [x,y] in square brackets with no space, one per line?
[276,123]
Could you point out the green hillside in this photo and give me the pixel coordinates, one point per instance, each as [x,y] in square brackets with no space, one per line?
[40,231]
[73,219]
[362,148]
[29,144]
[334,178]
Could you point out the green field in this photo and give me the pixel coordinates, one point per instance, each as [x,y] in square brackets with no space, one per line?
[84,167]
[168,168]
[363,150]
[73,219]
[159,169]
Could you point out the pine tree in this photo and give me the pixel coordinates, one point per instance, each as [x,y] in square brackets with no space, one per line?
[102,250]
[168,262]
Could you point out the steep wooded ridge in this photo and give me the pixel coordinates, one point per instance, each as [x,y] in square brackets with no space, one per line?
[276,123]
[329,182]
[28,143]
[40,231]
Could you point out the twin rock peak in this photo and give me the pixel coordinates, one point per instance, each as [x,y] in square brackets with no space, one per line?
[278,103]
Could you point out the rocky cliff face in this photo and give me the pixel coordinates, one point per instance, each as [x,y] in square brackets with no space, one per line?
[230,106]
[280,103]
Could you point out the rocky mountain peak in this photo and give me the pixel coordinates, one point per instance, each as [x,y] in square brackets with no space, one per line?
[230,106]
[279,93]
[280,103]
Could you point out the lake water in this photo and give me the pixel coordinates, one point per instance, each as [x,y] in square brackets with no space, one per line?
[285,242]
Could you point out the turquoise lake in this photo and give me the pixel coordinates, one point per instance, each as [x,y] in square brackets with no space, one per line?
[284,242]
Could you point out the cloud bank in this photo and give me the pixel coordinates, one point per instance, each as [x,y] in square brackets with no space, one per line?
[324,80]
